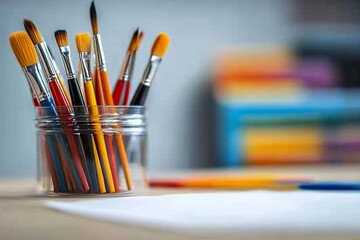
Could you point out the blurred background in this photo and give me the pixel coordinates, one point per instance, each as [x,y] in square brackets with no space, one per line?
[244,82]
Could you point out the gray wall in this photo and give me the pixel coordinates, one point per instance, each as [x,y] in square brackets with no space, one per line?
[178,106]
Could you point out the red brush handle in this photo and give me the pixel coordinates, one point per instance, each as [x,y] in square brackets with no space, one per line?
[127,93]
[36,102]
[121,92]
[65,113]
[117,91]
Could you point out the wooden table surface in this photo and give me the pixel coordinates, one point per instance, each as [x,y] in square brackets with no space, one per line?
[23,215]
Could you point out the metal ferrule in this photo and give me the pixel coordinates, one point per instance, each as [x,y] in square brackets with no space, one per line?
[87,57]
[86,72]
[150,70]
[55,66]
[99,53]
[66,58]
[128,67]
[36,81]
[46,61]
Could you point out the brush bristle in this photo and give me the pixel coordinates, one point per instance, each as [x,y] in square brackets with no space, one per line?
[134,41]
[93,18]
[140,37]
[160,45]
[33,32]
[23,48]
[61,38]
[83,42]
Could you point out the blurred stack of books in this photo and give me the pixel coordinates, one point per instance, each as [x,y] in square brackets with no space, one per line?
[275,108]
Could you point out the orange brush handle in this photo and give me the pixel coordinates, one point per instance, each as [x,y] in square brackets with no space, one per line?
[105,82]
[100,176]
[99,137]
[110,148]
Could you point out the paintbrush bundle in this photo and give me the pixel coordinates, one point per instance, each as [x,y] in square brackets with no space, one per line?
[88,138]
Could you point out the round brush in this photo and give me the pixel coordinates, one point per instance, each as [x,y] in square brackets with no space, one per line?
[158,52]
[83,43]
[103,85]
[122,88]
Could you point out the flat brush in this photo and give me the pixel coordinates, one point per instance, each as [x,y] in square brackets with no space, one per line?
[42,49]
[73,156]
[83,43]
[26,55]
[158,52]
[77,100]
[103,77]
[122,89]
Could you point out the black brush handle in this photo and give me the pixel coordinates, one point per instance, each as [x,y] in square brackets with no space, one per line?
[140,95]
[78,100]
[76,95]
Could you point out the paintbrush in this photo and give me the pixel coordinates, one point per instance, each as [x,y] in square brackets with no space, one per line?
[122,88]
[26,55]
[61,101]
[83,43]
[79,106]
[103,80]
[158,52]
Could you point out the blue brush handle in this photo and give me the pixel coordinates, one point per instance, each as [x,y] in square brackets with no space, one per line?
[52,147]
[65,145]
[331,186]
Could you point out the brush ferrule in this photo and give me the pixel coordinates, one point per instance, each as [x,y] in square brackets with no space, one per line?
[87,57]
[36,81]
[151,70]
[99,53]
[128,67]
[46,60]
[55,67]
[85,67]
[66,58]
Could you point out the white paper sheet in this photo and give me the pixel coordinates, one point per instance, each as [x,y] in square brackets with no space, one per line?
[297,211]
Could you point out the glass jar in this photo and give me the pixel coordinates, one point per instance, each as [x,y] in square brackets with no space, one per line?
[91,150]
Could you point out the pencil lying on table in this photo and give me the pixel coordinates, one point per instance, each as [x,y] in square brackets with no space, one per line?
[246,182]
